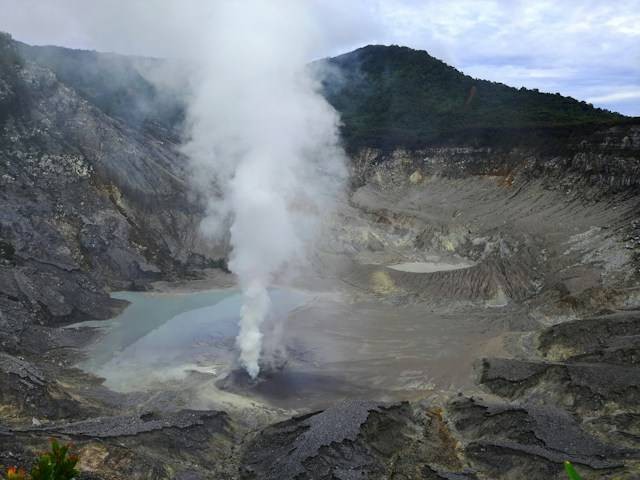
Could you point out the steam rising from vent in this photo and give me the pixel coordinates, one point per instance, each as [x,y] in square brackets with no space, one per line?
[264,148]
[262,141]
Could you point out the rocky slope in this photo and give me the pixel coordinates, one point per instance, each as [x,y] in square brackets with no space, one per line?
[95,200]
[88,203]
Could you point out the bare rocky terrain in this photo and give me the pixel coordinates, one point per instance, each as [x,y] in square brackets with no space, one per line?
[548,233]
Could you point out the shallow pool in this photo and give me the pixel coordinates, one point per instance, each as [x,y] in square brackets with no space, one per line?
[430,267]
[160,337]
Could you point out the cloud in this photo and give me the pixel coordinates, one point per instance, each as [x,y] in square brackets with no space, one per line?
[617,96]
[564,47]
[132,26]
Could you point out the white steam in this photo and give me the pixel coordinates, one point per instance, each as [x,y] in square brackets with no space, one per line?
[263,143]
[264,147]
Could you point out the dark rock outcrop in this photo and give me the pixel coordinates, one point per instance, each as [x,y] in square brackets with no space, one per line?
[353,440]
[182,444]
[591,390]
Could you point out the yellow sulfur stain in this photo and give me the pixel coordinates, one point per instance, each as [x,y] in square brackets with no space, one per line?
[448,245]
[92,457]
[382,284]
[416,177]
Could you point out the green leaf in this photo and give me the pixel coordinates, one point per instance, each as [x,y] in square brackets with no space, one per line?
[56,464]
[573,475]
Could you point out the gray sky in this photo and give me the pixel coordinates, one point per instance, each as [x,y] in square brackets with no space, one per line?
[589,49]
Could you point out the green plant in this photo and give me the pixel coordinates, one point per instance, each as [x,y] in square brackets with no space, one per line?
[56,464]
[571,472]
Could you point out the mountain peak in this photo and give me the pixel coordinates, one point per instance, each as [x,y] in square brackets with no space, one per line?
[398,96]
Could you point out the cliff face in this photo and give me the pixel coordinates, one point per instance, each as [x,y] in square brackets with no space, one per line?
[604,160]
[87,203]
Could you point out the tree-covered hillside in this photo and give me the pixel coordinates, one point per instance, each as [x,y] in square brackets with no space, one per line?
[390,96]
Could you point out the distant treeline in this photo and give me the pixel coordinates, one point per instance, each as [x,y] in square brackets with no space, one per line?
[395,96]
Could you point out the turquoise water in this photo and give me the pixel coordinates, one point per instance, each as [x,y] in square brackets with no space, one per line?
[161,337]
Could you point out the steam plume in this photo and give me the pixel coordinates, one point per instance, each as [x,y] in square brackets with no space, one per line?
[263,143]
[260,131]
